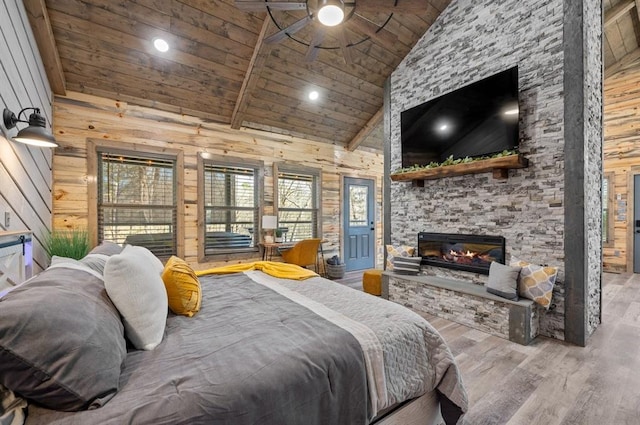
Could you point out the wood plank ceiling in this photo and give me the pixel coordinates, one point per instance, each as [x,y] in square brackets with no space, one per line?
[220,68]
[621,43]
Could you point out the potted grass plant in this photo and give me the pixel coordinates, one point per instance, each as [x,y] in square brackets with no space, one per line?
[279,235]
[71,243]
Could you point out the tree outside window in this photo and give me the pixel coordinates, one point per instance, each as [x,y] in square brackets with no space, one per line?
[230,207]
[137,202]
[298,205]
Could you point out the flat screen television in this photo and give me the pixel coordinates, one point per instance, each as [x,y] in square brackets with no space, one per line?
[475,120]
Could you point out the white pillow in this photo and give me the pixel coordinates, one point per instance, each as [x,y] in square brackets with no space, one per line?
[134,283]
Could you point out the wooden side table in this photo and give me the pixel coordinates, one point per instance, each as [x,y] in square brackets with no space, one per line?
[268,248]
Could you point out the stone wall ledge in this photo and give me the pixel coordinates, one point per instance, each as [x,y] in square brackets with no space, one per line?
[465,303]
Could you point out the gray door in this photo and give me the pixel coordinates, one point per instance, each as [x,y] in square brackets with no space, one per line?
[359,223]
[636,223]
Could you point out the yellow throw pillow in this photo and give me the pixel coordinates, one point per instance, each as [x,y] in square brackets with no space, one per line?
[535,282]
[183,287]
[398,251]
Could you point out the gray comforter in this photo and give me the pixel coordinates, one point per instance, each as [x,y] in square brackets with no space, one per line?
[275,351]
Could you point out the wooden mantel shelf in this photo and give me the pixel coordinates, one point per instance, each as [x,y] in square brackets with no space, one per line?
[498,166]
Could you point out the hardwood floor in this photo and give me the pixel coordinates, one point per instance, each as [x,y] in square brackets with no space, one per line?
[550,382]
[352,279]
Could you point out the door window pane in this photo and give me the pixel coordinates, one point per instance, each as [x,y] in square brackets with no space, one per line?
[358,207]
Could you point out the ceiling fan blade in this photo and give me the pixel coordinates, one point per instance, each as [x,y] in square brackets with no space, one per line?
[386,39]
[344,45]
[395,6]
[318,36]
[291,29]
[260,6]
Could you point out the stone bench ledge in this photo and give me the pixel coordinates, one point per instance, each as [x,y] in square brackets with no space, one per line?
[466,303]
[459,286]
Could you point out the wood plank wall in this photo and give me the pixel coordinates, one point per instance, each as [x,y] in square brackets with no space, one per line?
[79,117]
[622,159]
[25,172]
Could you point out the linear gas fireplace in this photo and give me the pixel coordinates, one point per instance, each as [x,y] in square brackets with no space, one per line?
[472,253]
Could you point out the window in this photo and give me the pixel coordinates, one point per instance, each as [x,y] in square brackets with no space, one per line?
[231,207]
[298,203]
[137,200]
[607,209]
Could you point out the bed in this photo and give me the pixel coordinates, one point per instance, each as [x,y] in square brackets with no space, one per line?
[270,350]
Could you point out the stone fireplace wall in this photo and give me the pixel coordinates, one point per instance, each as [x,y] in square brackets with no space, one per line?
[471,40]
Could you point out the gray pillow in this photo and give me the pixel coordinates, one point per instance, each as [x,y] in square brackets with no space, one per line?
[70,263]
[503,281]
[107,248]
[95,262]
[61,340]
[406,265]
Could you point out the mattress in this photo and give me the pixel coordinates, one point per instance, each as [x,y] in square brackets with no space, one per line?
[267,350]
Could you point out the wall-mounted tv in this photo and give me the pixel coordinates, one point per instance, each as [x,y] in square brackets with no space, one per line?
[475,120]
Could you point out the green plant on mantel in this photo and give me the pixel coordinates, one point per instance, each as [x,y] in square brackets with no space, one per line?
[71,243]
[451,161]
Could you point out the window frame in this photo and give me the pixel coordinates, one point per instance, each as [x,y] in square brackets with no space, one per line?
[290,168]
[96,146]
[235,253]
[609,176]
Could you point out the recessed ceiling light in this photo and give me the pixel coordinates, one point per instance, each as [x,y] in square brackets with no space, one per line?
[160,45]
[443,127]
[314,95]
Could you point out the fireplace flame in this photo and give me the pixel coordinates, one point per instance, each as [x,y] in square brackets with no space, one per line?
[461,257]
[462,254]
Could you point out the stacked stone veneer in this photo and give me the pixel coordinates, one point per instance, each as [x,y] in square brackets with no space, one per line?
[471,40]
[593,178]
[477,312]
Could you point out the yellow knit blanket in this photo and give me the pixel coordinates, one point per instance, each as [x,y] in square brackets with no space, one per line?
[283,270]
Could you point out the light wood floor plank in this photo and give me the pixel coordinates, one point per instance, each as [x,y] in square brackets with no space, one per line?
[551,382]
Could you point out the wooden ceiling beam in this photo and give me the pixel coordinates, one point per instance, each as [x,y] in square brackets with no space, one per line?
[258,58]
[41,27]
[365,131]
[616,12]
[628,60]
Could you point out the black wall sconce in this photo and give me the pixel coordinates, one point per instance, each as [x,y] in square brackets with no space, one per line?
[35,134]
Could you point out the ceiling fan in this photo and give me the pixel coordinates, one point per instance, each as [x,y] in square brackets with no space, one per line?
[325,14]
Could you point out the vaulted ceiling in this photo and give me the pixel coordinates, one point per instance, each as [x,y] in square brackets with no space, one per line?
[224,66]
[621,43]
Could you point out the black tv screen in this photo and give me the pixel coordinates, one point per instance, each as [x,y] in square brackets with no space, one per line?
[475,120]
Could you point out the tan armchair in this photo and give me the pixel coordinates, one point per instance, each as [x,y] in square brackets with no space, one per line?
[303,253]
